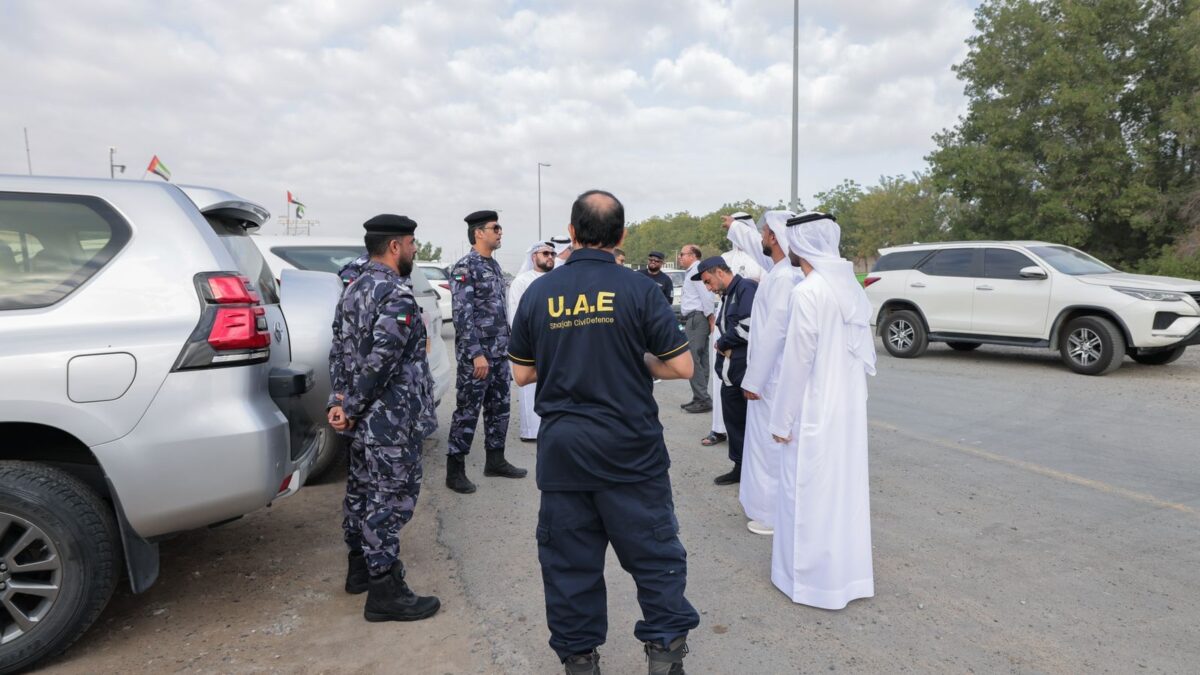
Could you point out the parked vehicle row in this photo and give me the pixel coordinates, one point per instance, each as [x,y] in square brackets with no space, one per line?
[1030,294]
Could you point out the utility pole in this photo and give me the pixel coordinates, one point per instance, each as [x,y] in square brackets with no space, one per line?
[795,103]
[540,165]
[112,167]
[28,157]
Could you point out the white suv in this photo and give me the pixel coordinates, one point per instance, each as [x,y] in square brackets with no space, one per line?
[1030,294]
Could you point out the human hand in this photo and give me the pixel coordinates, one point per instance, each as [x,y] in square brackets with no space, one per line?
[751,396]
[337,417]
[481,367]
[779,439]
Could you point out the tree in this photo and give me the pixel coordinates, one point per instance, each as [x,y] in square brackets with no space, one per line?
[427,251]
[671,232]
[1083,125]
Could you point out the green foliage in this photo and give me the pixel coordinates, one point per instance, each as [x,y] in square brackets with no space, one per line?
[898,210]
[671,232]
[1083,126]
[427,251]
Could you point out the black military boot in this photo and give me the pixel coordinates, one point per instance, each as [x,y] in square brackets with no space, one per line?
[667,661]
[496,465]
[583,664]
[357,575]
[390,599]
[456,474]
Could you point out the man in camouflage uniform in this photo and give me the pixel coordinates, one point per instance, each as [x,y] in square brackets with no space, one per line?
[480,348]
[382,393]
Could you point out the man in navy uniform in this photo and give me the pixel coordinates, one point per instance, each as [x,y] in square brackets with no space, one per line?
[383,396]
[480,347]
[592,335]
[733,330]
[654,262]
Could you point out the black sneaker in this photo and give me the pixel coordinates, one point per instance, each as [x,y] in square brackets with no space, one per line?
[583,664]
[390,599]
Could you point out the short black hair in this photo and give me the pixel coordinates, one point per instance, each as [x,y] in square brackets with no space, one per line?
[599,219]
[377,244]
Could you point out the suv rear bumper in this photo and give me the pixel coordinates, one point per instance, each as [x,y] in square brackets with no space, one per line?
[212,446]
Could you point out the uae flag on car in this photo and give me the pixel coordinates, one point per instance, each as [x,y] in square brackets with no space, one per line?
[159,169]
[299,206]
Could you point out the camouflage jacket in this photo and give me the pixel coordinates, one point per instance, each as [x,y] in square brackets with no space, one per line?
[378,360]
[480,317]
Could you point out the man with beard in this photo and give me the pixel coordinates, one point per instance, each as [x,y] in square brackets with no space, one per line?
[480,348]
[539,259]
[654,263]
[821,553]
[759,490]
[383,396]
[733,327]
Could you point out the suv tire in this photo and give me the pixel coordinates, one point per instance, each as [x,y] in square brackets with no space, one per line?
[904,335]
[1092,345]
[50,520]
[963,346]
[1159,358]
[330,449]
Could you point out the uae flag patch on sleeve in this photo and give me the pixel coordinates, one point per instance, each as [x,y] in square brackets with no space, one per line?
[406,319]
[460,278]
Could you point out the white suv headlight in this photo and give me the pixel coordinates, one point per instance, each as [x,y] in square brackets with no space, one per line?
[1146,294]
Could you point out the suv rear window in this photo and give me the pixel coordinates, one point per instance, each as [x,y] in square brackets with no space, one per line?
[900,260]
[333,258]
[236,239]
[951,262]
[433,272]
[51,244]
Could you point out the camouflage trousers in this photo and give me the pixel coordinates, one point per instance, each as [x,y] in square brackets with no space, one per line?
[493,394]
[382,484]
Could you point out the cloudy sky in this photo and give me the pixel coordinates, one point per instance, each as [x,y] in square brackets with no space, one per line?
[437,108]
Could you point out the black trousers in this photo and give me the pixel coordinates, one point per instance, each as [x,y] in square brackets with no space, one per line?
[733,411]
[573,533]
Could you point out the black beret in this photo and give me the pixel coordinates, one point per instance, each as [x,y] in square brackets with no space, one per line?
[707,264]
[656,254]
[389,223]
[481,218]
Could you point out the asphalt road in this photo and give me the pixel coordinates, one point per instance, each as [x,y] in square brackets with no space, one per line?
[1025,519]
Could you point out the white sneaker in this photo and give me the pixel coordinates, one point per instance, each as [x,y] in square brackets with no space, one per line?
[760,528]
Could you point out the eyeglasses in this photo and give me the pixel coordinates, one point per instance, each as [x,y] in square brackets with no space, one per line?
[549,253]
[495,227]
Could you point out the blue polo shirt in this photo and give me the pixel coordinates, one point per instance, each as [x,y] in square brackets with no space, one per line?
[585,327]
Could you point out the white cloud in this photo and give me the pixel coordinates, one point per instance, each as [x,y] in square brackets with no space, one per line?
[435,109]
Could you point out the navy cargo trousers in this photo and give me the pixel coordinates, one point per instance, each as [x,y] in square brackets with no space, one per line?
[573,533]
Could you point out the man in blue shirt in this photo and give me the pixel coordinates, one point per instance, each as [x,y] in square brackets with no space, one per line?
[592,335]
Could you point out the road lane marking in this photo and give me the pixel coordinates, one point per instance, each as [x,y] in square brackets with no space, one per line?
[1046,471]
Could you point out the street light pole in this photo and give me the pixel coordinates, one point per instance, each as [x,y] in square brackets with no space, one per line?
[795,103]
[540,165]
[112,167]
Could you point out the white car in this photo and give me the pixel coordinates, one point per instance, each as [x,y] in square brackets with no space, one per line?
[330,254]
[1030,294]
[435,273]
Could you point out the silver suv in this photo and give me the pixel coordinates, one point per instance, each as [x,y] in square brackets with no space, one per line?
[147,386]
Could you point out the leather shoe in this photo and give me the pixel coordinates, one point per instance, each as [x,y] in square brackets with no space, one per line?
[698,407]
[730,478]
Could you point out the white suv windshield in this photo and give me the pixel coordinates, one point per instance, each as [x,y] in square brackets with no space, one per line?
[1070,261]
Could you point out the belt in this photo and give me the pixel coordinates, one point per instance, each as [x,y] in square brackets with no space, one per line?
[693,312]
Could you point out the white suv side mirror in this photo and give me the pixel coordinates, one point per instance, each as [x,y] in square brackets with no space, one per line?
[1033,272]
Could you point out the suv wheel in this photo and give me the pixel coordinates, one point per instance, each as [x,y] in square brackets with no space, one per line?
[1160,358]
[329,451]
[904,335]
[58,561]
[1092,345]
[963,346]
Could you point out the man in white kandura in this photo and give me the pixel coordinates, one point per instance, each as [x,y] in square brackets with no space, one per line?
[759,492]
[821,554]
[539,259]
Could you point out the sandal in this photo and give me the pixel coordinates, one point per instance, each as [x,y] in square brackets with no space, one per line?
[712,439]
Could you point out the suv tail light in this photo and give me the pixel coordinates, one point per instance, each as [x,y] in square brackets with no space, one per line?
[445,285]
[870,280]
[233,324]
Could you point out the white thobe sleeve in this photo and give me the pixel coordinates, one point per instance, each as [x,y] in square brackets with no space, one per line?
[795,368]
[769,337]
[749,241]
[515,291]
